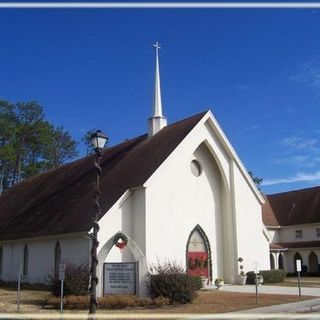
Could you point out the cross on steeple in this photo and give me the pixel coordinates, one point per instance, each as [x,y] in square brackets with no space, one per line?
[157,45]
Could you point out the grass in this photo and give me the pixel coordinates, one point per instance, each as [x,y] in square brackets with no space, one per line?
[207,302]
[309,282]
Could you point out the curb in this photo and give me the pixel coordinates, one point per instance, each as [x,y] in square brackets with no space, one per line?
[315,308]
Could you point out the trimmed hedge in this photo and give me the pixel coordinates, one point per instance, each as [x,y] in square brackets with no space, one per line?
[111,302]
[178,288]
[269,276]
[197,282]
[170,280]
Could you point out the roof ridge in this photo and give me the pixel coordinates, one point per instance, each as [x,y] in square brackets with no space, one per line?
[293,191]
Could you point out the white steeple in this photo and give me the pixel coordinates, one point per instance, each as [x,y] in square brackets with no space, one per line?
[157,121]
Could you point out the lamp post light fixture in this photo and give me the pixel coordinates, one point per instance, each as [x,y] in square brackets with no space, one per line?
[98,140]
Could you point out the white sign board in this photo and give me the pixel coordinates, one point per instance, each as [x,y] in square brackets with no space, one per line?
[119,278]
[62,268]
[298,265]
[256,267]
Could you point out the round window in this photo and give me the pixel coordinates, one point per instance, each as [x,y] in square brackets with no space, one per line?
[195,168]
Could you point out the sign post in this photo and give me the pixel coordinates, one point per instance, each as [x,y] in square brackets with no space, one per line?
[298,265]
[61,278]
[256,271]
[19,284]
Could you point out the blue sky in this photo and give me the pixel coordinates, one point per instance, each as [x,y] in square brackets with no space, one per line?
[257,70]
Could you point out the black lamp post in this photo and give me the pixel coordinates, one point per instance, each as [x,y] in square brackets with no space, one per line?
[98,140]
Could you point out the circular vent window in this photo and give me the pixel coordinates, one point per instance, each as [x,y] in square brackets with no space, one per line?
[195,168]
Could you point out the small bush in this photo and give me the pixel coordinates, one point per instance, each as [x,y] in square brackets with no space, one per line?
[76,281]
[161,301]
[117,302]
[69,302]
[197,282]
[178,288]
[112,302]
[170,281]
[269,276]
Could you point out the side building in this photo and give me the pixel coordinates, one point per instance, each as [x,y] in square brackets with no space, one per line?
[293,223]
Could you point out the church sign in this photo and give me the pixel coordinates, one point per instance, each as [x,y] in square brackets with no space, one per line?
[119,278]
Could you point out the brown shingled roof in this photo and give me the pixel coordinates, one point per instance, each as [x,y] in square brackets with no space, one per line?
[268,216]
[293,207]
[60,200]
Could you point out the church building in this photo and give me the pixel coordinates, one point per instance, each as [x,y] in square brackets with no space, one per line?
[177,193]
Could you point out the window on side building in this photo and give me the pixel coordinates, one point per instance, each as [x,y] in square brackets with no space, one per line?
[1,260]
[299,234]
[25,260]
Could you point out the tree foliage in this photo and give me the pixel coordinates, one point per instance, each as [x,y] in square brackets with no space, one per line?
[87,141]
[29,144]
[255,179]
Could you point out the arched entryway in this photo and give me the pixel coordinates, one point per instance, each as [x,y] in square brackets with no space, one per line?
[138,256]
[199,254]
[296,257]
[280,261]
[313,262]
[272,262]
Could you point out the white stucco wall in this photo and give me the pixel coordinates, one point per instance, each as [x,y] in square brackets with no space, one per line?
[127,215]
[252,244]
[274,234]
[288,234]
[41,252]
[177,201]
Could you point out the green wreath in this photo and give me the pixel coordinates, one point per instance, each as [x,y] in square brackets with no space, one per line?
[119,236]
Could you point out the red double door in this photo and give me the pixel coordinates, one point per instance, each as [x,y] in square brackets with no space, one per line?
[197,264]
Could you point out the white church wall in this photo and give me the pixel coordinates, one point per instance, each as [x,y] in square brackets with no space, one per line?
[177,201]
[274,234]
[252,244]
[139,218]
[41,252]
[127,215]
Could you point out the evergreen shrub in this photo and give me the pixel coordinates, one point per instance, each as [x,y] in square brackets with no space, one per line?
[269,276]
[197,282]
[170,281]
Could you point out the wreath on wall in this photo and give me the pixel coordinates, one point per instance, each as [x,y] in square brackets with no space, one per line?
[120,240]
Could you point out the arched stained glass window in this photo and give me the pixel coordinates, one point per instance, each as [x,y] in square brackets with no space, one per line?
[25,260]
[57,258]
